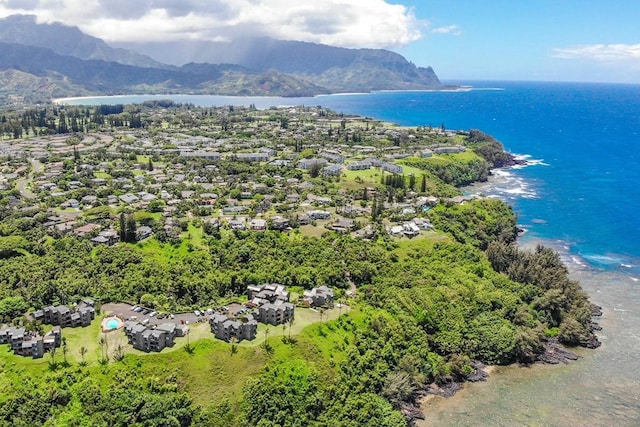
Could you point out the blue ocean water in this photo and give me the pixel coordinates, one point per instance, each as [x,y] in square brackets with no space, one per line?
[584,189]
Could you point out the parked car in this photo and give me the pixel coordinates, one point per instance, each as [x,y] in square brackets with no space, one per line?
[153,313]
[196,312]
[145,321]
[134,308]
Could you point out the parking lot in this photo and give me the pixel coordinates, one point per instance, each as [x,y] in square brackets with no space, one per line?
[125,312]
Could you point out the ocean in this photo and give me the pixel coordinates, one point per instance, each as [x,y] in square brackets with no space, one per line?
[579,193]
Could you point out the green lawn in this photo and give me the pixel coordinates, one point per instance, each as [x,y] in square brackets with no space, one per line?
[420,243]
[312,230]
[103,175]
[195,235]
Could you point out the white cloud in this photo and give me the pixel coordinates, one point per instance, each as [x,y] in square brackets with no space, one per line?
[448,29]
[600,52]
[348,23]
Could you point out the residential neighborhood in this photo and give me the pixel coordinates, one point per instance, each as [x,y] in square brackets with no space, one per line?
[262,175]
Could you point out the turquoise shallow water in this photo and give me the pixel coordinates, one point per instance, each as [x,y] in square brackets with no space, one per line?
[580,194]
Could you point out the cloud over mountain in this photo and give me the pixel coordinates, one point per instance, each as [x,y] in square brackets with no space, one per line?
[346,23]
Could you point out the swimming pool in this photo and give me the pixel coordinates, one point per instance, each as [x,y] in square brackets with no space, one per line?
[113,323]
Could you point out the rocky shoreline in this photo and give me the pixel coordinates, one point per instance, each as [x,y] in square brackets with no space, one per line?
[554,353]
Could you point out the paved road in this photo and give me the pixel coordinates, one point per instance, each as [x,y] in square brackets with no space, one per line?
[21,183]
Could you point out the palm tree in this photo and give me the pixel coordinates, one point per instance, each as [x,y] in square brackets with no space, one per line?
[267,348]
[234,345]
[83,351]
[103,343]
[118,355]
[65,350]
[290,325]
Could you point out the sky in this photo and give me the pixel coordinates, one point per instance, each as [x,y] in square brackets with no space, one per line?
[552,40]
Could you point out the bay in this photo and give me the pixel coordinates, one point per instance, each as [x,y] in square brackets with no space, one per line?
[580,194]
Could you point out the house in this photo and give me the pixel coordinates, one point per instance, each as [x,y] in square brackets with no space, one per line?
[107,237]
[63,316]
[410,229]
[391,167]
[70,203]
[268,292]
[143,232]
[396,230]
[129,198]
[225,328]
[358,165]
[343,225]
[332,157]
[86,229]
[24,343]
[292,198]
[275,313]
[258,224]
[210,155]
[332,170]
[89,200]
[236,224]
[150,339]
[450,149]
[321,296]
[251,157]
[318,214]
[307,164]
[303,219]
[279,223]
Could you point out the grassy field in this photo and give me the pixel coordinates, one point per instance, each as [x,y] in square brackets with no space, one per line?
[164,252]
[423,242]
[313,230]
[102,175]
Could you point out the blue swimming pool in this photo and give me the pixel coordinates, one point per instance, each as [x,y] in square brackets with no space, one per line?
[113,323]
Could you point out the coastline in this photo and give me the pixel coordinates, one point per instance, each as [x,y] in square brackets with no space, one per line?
[446,89]
[596,392]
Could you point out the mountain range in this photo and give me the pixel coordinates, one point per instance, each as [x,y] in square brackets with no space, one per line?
[43,61]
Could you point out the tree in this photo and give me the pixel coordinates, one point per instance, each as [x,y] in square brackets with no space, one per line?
[11,307]
[290,325]
[130,229]
[83,352]
[265,344]
[314,170]
[53,364]
[123,228]
[118,354]
[412,181]
[103,345]
[65,350]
